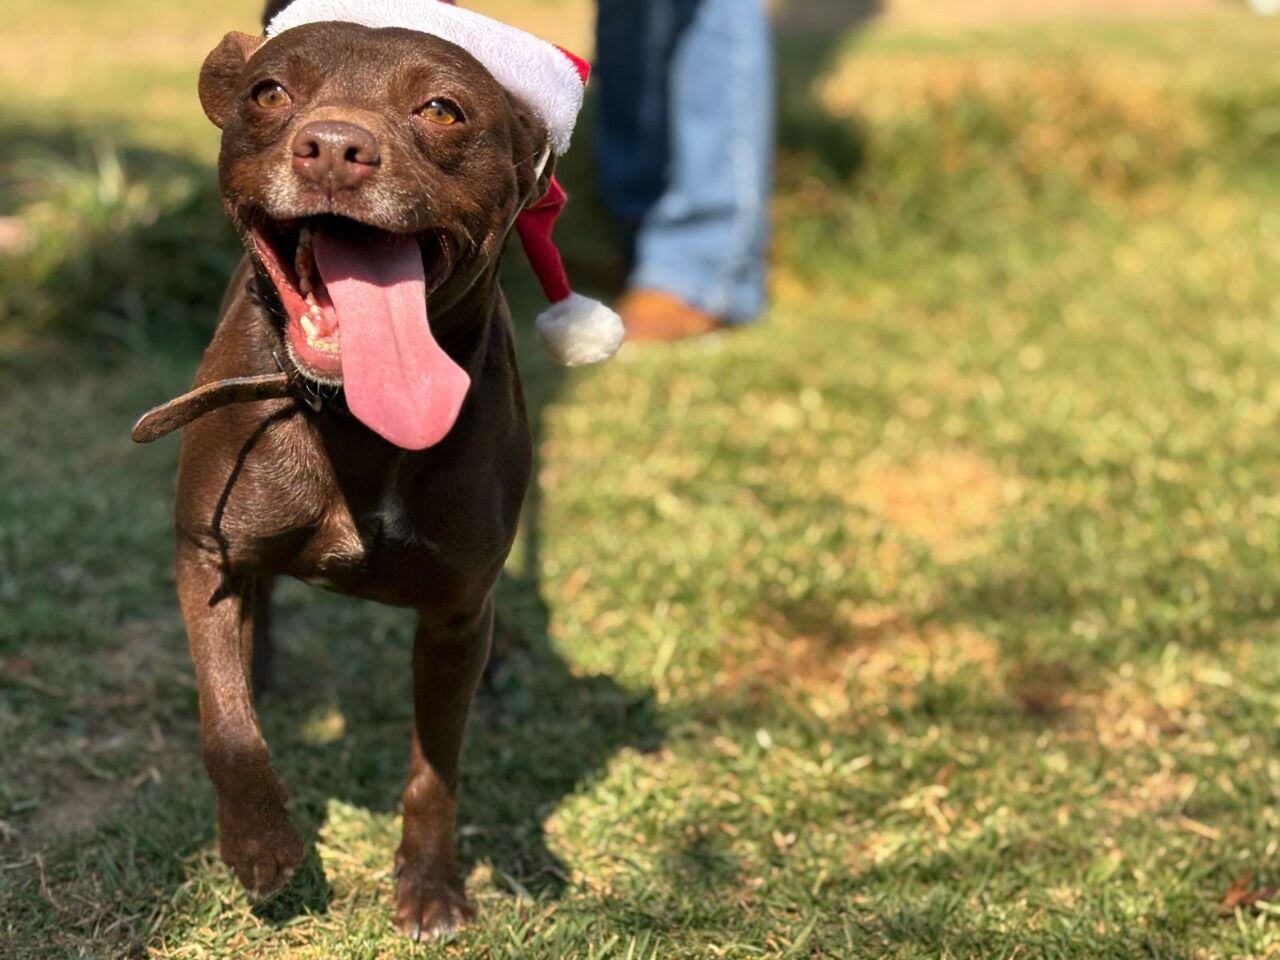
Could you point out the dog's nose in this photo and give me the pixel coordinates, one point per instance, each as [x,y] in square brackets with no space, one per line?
[334,153]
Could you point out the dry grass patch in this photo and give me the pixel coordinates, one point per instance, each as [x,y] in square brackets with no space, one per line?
[948,500]
[1155,706]
[1159,793]
[868,658]
[1105,123]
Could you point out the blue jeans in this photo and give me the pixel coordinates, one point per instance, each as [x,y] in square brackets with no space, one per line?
[686,144]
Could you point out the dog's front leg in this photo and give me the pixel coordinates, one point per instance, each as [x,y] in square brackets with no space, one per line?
[255,836]
[449,655]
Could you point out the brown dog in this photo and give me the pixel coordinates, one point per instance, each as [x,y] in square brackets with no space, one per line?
[373,176]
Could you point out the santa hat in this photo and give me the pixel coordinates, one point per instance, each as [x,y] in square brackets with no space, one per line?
[548,80]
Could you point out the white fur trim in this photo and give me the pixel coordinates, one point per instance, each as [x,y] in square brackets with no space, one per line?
[532,69]
[580,331]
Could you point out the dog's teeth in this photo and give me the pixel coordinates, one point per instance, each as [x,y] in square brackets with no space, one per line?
[304,284]
[308,327]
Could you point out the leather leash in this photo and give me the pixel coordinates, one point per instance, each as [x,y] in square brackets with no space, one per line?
[177,413]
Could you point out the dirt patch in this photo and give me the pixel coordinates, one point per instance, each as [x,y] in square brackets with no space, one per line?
[1042,690]
[78,795]
[75,802]
[131,735]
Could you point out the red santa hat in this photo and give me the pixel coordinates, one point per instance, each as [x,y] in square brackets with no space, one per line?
[551,82]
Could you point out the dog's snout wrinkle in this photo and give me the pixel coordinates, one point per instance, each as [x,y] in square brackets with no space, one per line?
[335,153]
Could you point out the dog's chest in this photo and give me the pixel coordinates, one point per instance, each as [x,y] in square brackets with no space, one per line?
[356,534]
[398,541]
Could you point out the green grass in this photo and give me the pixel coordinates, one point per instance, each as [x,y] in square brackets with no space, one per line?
[937,617]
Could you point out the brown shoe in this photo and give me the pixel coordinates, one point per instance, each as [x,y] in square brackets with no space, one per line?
[655,315]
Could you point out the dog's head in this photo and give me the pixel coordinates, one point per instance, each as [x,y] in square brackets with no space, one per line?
[370,172]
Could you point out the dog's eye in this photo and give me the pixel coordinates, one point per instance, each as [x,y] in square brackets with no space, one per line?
[442,112]
[271,95]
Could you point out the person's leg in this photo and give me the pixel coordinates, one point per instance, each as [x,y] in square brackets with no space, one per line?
[704,239]
[635,43]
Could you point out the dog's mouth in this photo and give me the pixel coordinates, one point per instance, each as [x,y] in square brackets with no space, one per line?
[287,250]
[355,302]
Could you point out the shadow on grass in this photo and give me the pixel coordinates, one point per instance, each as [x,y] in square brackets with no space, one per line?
[812,37]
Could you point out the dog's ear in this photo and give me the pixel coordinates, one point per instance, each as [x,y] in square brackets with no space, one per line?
[220,75]
[530,151]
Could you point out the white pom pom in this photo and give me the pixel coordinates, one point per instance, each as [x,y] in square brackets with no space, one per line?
[580,331]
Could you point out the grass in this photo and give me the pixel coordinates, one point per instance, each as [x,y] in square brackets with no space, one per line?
[937,617]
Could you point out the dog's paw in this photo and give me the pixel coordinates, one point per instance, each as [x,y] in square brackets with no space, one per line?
[430,908]
[262,856]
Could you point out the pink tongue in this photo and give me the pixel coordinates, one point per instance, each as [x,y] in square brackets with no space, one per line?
[398,381]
